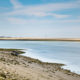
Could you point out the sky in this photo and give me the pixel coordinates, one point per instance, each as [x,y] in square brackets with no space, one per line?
[40,18]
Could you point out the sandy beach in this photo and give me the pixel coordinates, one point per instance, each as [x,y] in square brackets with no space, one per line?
[25,68]
[39,39]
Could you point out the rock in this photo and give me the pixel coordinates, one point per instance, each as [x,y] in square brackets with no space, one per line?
[15,53]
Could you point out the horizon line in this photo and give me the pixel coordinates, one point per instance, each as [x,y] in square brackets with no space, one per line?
[39,39]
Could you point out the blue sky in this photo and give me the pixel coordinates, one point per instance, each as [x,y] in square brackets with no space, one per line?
[40,18]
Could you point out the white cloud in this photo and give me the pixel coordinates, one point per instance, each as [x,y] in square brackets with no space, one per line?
[16,4]
[36,21]
[70,21]
[58,15]
[42,10]
[16,21]
[24,21]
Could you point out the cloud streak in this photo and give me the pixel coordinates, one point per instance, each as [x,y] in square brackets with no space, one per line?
[36,21]
[16,4]
[42,10]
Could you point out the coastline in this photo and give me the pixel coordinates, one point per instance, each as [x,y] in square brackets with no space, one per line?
[39,39]
[68,66]
[26,68]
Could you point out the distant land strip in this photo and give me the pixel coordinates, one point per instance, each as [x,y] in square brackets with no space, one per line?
[41,39]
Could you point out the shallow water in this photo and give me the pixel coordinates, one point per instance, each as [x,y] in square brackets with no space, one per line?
[53,51]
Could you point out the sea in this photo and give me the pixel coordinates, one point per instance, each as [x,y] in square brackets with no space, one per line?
[67,53]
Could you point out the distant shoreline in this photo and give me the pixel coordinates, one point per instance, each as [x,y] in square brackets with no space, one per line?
[42,39]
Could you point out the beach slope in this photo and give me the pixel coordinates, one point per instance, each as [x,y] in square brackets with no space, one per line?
[18,67]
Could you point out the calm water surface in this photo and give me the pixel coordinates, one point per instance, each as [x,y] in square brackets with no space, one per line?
[54,51]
